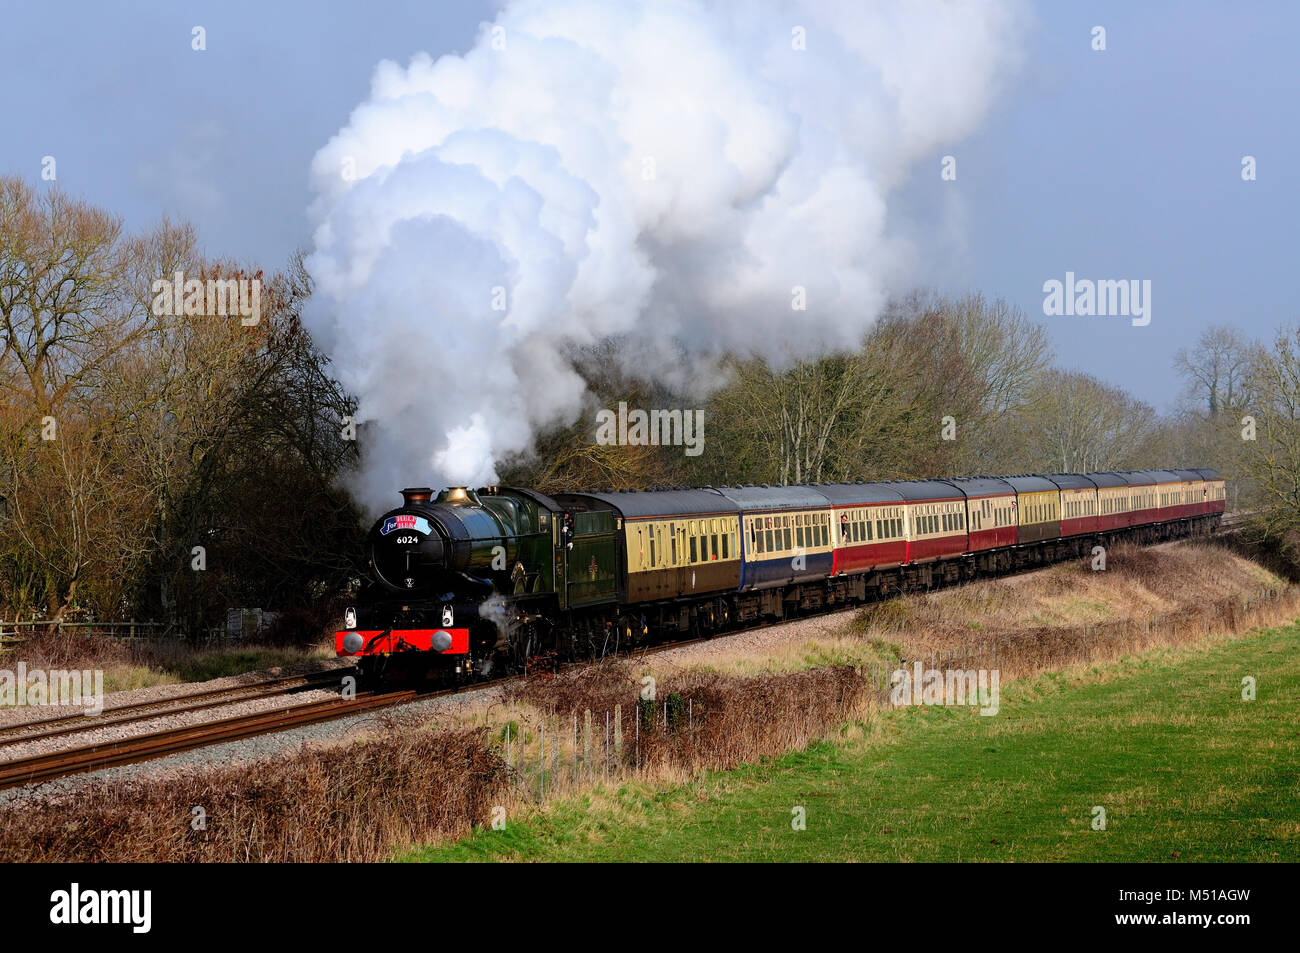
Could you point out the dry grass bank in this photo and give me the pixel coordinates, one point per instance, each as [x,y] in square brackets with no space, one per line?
[1160,596]
[345,803]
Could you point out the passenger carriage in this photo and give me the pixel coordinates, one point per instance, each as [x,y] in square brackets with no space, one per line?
[936,519]
[785,534]
[990,512]
[1079,511]
[675,542]
[1214,490]
[1038,508]
[1192,500]
[1148,494]
[868,521]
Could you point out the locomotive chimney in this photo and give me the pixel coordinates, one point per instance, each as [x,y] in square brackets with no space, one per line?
[416,494]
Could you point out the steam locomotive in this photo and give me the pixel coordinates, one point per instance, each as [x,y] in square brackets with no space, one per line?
[472,583]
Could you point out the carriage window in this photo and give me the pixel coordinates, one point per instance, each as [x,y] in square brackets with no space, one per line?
[725,554]
[713,544]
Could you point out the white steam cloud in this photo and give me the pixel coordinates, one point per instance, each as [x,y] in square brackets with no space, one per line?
[667,172]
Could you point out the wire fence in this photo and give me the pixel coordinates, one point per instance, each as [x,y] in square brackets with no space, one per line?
[130,632]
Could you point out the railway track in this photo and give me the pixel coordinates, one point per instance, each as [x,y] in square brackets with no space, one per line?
[1231,521]
[143,711]
[108,754]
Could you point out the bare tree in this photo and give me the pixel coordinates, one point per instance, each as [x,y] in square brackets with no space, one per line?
[1075,423]
[1217,369]
[1271,461]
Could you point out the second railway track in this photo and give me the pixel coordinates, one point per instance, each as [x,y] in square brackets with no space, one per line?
[117,752]
[62,725]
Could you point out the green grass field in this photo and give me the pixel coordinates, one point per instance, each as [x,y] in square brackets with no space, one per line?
[1184,768]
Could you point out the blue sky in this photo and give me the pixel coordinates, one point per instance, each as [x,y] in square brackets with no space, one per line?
[1117,164]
